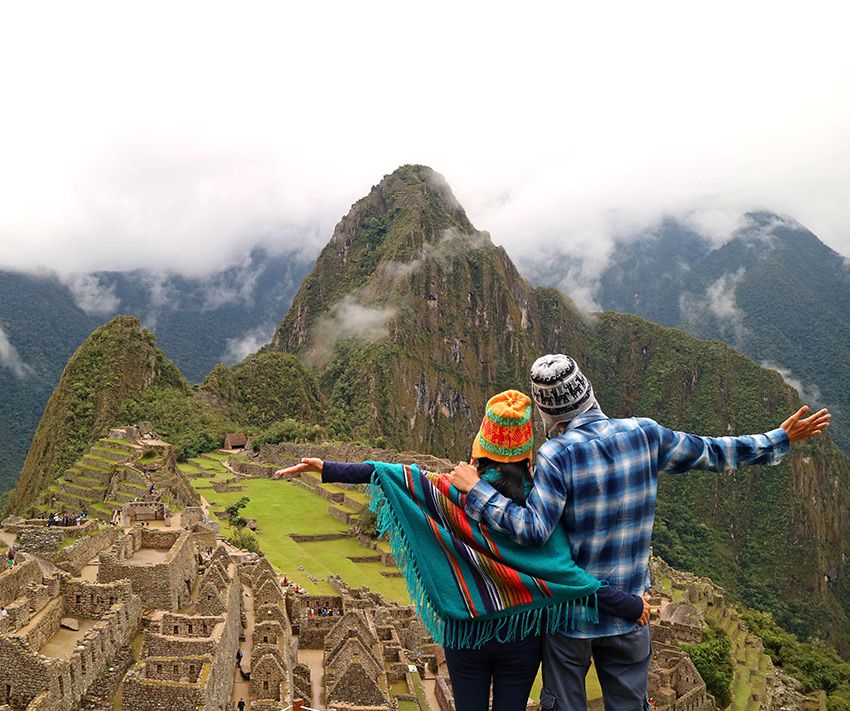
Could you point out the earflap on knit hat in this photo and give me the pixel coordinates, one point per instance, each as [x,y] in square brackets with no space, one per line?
[560,390]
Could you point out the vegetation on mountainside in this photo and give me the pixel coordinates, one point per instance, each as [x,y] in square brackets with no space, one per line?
[181,418]
[118,360]
[713,659]
[266,387]
[815,664]
[288,430]
[771,266]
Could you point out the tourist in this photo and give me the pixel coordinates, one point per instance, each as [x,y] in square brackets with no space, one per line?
[598,476]
[4,612]
[10,556]
[241,705]
[488,606]
[239,658]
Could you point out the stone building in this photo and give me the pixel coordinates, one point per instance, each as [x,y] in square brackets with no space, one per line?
[62,637]
[160,564]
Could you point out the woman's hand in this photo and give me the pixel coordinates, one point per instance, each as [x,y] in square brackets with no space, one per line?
[647,610]
[463,477]
[308,464]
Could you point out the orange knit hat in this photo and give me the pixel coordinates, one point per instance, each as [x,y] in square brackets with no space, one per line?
[506,431]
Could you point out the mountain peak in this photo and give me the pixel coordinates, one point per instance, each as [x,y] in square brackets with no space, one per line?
[117,360]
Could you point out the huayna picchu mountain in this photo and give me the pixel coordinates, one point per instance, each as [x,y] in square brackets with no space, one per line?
[117,361]
[411,318]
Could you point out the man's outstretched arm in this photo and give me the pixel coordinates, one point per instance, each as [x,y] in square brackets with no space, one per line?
[680,451]
[530,524]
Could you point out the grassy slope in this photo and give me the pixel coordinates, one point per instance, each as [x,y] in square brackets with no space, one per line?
[281,508]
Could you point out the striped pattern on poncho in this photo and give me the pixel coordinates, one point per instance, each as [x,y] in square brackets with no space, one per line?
[470,584]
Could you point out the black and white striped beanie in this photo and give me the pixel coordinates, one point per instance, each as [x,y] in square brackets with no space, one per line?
[560,390]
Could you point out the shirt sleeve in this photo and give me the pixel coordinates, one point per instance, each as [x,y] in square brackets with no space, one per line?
[347,473]
[530,524]
[619,603]
[679,451]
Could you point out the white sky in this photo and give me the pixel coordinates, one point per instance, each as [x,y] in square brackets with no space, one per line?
[177,134]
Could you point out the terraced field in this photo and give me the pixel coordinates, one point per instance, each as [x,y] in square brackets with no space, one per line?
[752,665]
[98,482]
[284,507]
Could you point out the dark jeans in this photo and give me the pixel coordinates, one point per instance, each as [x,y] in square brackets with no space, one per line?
[622,665]
[510,666]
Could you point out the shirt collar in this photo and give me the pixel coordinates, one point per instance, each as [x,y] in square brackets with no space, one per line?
[592,415]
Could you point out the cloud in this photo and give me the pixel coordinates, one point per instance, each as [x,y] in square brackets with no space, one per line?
[349,319]
[92,296]
[9,358]
[718,301]
[809,393]
[233,286]
[237,349]
[451,243]
[600,121]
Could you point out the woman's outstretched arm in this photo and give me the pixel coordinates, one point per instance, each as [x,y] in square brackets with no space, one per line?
[332,472]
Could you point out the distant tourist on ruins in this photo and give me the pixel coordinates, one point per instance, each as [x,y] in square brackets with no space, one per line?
[10,556]
[239,658]
[4,612]
[483,597]
[241,705]
[596,479]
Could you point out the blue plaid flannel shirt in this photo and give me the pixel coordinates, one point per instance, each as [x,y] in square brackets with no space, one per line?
[599,479]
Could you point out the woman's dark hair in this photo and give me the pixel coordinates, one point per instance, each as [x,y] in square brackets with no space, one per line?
[512,479]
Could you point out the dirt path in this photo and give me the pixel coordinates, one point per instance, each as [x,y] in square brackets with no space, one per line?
[314,659]
[242,687]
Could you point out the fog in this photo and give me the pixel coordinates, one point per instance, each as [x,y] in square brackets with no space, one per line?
[175,137]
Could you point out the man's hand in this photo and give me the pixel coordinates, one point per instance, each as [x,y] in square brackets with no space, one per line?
[464,476]
[644,618]
[308,464]
[799,429]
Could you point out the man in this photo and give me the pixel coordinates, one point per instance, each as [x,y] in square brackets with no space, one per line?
[598,477]
[241,705]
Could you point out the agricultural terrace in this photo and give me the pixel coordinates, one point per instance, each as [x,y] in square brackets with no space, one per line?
[281,508]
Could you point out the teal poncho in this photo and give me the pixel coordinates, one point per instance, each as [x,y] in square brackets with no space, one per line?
[471,584]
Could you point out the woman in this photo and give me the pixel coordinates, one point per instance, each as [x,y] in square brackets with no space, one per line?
[489,606]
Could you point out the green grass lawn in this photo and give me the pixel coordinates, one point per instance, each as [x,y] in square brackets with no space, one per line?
[281,508]
[592,687]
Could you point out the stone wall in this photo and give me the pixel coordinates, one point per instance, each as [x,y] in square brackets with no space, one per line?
[14,581]
[30,680]
[166,585]
[144,691]
[145,511]
[39,539]
[74,558]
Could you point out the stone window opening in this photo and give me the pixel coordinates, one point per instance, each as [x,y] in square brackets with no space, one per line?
[79,599]
[159,668]
[190,628]
[265,686]
[176,630]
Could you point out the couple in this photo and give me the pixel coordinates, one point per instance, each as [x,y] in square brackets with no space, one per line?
[505,570]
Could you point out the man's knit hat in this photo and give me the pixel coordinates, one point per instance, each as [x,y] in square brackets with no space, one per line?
[506,431]
[560,389]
